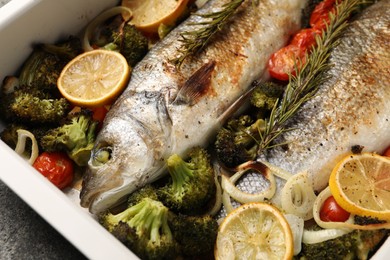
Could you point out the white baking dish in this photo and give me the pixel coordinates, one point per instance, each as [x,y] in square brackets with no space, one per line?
[23,22]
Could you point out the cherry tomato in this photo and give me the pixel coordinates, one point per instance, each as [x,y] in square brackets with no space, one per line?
[387,152]
[57,167]
[284,61]
[320,16]
[305,38]
[98,114]
[332,212]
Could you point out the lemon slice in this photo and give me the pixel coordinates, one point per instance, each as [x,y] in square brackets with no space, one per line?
[94,78]
[149,14]
[254,231]
[361,185]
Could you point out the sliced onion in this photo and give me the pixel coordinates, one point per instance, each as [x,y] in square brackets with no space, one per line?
[298,196]
[218,195]
[313,237]
[99,20]
[349,224]
[227,203]
[21,145]
[277,171]
[228,184]
[296,224]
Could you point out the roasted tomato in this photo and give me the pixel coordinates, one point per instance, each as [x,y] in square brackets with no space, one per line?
[320,16]
[57,167]
[98,114]
[332,212]
[387,152]
[285,61]
[305,38]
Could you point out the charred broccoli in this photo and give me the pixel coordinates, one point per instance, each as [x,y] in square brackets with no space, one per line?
[265,95]
[147,191]
[131,43]
[144,229]
[46,62]
[195,234]
[124,38]
[30,105]
[237,142]
[75,136]
[355,245]
[192,182]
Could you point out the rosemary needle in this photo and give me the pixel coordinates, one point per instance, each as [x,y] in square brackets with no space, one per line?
[304,85]
[195,41]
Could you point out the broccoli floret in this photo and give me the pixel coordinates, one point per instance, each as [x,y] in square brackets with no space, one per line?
[148,191]
[191,184]
[195,234]
[126,39]
[236,142]
[265,95]
[355,245]
[144,229]
[28,104]
[118,35]
[130,42]
[46,62]
[76,137]
[363,220]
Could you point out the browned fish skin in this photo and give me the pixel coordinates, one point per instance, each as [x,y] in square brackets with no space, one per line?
[160,113]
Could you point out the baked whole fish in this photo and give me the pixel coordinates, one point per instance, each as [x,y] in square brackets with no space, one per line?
[165,110]
[351,108]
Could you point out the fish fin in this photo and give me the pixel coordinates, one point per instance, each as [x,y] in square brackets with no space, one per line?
[196,86]
[239,105]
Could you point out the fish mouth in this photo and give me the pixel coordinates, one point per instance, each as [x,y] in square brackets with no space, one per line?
[102,175]
[104,187]
[96,183]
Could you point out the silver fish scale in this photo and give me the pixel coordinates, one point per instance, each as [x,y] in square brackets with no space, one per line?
[250,182]
[142,131]
[351,108]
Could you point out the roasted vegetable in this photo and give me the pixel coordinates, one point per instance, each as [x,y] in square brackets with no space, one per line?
[10,136]
[195,234]
[30,105]
[56,167]
[355,245]
[236,142]
[265,95]
[130,43]
[147,191]
[46,62]
[120,36]
[144,229]
[192,182]
[75,136]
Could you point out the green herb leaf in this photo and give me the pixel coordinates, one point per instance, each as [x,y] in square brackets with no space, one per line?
[304,85]
[195,41]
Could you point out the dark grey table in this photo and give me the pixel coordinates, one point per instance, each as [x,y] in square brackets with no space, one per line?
[24,234]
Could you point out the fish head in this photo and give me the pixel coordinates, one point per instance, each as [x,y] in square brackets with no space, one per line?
[120,163]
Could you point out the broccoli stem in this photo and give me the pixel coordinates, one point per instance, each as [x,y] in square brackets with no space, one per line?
[180,172]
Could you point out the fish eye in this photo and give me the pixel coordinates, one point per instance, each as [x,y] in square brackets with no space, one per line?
[102,156]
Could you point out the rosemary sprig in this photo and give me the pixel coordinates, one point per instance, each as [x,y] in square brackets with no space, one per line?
[304,85]
[195,41]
